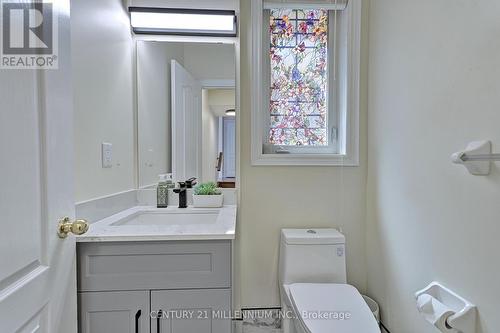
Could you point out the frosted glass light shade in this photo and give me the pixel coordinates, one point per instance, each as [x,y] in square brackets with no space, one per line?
[183,21]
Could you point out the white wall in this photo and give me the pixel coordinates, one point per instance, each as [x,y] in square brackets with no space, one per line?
[102,61]
[103,74]
[154,107]
[210,61]
[221,99]
[210,129]
[434,86]
[297,197]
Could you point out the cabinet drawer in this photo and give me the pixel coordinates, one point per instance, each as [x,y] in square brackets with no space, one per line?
[154,265]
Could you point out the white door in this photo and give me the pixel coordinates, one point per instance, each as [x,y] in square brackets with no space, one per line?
[229,148]
[37,268]
[186,124]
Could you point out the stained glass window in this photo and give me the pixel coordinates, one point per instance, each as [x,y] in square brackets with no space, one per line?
[299,78]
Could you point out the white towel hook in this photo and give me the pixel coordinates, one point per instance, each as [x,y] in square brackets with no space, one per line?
[477,158]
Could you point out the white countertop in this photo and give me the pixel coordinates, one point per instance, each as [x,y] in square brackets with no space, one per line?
[105,231]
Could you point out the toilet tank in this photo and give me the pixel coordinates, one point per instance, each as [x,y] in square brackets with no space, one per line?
[312,256]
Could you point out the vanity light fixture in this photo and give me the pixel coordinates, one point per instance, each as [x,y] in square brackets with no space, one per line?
[187,22]
[231,112]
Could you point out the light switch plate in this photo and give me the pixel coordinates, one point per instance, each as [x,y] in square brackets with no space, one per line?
[107,155]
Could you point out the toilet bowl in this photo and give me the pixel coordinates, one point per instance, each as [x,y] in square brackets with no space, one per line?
[314,294]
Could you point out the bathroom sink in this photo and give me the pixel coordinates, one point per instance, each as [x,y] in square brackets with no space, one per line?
[146,223]
[168,218]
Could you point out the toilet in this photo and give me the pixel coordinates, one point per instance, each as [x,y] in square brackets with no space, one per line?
[315,297]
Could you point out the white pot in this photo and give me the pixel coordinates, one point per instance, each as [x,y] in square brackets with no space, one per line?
[208,201]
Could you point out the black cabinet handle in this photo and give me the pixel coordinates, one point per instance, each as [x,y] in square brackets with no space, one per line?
[158,318]
[137,316]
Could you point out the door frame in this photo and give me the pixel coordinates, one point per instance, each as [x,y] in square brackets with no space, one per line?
[222,135]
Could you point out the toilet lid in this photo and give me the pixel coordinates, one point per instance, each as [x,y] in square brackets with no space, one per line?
[332,308]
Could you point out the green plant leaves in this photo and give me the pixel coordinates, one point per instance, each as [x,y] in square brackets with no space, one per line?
[209,188]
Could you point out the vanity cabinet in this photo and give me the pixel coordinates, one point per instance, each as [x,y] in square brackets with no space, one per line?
[123,285]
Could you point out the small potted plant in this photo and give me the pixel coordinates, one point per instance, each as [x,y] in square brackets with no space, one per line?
[207,195]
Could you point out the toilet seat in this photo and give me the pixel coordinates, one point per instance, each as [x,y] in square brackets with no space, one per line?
[325,308]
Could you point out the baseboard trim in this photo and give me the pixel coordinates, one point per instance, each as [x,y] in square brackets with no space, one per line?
[254,309]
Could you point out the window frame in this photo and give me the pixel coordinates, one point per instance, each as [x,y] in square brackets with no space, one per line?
[345,111]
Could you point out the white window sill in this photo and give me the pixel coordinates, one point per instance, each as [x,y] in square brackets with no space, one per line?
[305,160]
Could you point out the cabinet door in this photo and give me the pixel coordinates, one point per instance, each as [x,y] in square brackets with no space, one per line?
[191,311]
[114,312]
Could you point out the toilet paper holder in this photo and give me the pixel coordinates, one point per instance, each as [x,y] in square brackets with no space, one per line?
[446,310]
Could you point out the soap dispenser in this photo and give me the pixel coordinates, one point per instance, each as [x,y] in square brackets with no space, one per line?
[162,192]
[170,181]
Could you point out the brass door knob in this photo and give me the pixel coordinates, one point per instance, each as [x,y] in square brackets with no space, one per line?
[78,227]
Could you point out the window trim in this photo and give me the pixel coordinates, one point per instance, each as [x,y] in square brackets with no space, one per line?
[348,114]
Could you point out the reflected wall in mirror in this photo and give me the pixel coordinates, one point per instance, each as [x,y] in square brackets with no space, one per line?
[186,118]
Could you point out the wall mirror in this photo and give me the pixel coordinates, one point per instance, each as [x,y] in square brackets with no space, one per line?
[186,111]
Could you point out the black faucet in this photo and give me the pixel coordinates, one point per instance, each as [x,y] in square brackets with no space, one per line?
[182,194]
[191,182]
